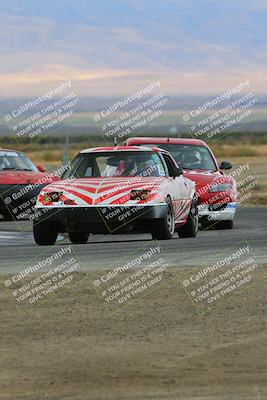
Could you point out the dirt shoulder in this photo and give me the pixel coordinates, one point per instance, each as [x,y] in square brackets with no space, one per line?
[160,347]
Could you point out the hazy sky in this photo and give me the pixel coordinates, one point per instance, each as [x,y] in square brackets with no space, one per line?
[113,47]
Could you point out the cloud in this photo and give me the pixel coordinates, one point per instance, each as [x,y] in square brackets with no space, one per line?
[188,51]
[110,82]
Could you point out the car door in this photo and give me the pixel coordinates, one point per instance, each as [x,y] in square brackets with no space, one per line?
[179,189]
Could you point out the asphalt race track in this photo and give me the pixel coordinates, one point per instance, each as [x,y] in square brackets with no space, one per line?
[18,247]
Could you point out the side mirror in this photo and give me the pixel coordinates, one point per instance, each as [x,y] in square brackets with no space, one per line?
[40,168]
[178,171]
[226,165]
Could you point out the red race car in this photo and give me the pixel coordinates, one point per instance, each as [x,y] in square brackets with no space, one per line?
[20,183]
[115,190]
[217,192]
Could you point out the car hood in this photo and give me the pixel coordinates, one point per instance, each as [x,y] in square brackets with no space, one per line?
[101,191]
[24,177]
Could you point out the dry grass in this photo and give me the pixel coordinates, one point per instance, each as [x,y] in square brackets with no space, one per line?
[239,150]
[50,152]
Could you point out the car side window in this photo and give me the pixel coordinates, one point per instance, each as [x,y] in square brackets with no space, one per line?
[169,163]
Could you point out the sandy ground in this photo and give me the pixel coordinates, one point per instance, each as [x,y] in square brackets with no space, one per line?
[160,347]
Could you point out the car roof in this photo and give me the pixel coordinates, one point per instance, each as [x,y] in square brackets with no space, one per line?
[166,140]
[120,149]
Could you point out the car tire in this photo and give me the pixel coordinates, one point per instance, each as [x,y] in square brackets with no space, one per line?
[205,223]
[7,214]
[45,233]
[8,217]
[165,228]
[224,225]
[78,237]
[190,228]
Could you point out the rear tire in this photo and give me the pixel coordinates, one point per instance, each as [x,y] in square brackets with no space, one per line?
[78,237]
[190,228]
[8,217]
[164,228]
[7,214]
[45,233]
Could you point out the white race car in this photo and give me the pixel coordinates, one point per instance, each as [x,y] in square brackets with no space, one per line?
[115,190]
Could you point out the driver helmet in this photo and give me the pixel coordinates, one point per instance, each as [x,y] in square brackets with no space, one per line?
[192,159]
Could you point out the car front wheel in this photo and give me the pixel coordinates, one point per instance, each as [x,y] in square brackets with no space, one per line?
[78,237]
[164,228]
[190,228]
[45,233]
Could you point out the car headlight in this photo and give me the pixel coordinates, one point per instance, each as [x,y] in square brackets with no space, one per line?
[139,194]
[51,197]
[220,187]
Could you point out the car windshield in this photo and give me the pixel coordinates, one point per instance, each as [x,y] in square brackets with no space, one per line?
[115,164]
[189,156]
[11,160]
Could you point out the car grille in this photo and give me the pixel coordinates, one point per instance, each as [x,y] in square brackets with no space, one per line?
[217,207]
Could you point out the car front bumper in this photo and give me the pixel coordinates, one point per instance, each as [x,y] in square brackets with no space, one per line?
[217,212]
[18,201]
[103,219]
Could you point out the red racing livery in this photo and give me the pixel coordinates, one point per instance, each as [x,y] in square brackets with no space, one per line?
[115,190]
